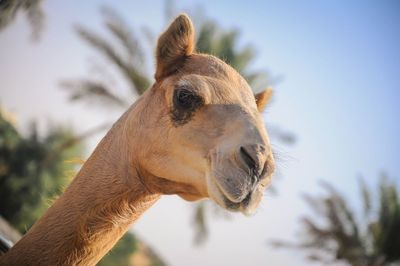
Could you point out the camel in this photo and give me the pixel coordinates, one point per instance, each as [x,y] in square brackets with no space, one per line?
[196,133]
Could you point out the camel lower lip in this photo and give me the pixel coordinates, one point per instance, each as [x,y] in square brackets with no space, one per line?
[237,205]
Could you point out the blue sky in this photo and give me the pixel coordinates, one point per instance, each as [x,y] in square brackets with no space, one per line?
[340,63]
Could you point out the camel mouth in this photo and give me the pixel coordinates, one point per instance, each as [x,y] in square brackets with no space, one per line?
[231,185]
[237,206]
[247,205]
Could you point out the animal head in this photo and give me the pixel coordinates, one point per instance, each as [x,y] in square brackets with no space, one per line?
[201,132]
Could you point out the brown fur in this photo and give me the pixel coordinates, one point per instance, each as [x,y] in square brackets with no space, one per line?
[145,155]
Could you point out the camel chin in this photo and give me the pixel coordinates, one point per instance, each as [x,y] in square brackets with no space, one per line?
[247,206]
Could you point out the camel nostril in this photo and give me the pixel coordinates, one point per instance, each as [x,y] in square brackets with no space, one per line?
[248,159]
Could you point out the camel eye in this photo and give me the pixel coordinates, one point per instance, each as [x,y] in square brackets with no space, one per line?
[185,104]
[187,99]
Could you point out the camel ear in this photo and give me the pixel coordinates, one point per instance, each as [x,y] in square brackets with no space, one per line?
[174,46]
[263,98]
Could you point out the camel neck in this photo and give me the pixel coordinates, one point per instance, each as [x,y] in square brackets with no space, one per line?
[97,208]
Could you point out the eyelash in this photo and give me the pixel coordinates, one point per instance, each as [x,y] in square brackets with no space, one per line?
[187,99]
[185,104]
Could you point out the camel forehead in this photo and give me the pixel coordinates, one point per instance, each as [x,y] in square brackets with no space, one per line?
[208,65]
[226,81]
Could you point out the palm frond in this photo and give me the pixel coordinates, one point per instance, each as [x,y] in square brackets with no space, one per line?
[387,234]
[35,16]
[336,232]
[277,133]
[34,13]
[366,198]
[103,46]
[138,81]
[200,224]
[244,57]
[124,34]
[93,92]
[206,41]
[225,48]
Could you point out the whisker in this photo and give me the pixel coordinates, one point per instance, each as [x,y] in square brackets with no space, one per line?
[282,158]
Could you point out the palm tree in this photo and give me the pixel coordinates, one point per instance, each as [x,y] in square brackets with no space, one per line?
[33,170]
[127,55]
[338,234]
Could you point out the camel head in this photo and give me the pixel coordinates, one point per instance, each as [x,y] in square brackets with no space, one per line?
[200,131]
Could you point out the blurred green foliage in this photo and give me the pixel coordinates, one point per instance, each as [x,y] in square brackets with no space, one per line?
[33,170]
[337,233]
[121,253]
[126,249]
